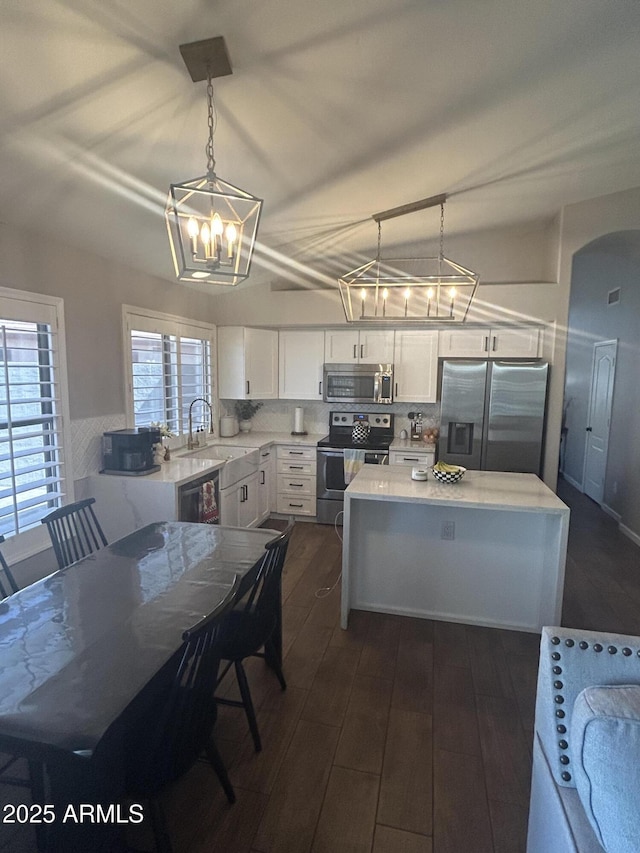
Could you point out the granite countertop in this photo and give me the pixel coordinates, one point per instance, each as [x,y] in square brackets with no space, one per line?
[477,490]
[263,439]
[180,470]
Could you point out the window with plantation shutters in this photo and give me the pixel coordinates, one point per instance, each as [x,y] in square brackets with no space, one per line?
[170,366]
[31,445]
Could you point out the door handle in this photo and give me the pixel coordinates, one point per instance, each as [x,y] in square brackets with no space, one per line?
[247,386]
[262,481]
[355,350]
[485,343]
[494,344]
[361,350]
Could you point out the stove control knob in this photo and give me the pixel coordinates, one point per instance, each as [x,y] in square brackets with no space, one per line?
[343,418]
[377,420]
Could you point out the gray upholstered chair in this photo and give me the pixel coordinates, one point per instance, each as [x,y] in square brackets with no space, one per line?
[586,753]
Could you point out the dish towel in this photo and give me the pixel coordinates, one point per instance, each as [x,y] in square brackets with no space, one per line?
[353,462]
[208,505]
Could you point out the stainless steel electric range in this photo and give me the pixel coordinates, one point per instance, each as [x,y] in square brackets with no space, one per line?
[331,481]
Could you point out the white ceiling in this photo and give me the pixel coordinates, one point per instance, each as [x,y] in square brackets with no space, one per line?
[335,110]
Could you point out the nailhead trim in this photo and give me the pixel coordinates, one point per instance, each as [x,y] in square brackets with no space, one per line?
[559,699]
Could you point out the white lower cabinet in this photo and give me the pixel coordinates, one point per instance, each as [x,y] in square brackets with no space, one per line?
[296,480]
[410,457]
[239,503]
[266,484]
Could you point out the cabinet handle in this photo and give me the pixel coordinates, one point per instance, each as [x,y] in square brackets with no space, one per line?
[265,454]
[296,453]
[297,485]
[494,346]
[262,481]
[411,459]
[297,467]
[361,350]
[247,386]
[320,388]
[485,344]
[396,394]
[355,350]
[298,505]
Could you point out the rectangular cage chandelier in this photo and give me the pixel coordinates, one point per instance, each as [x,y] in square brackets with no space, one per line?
[212,224]
[433,289]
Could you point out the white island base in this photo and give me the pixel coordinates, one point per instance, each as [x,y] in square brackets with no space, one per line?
[503,568]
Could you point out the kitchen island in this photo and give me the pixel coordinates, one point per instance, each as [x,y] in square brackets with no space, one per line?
[489,550]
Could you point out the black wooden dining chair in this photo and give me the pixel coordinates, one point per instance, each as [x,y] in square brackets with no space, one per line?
[251,626]
[75,531]
[164,743]
[8,583]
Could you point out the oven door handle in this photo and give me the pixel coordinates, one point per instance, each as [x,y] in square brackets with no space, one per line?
[333,453]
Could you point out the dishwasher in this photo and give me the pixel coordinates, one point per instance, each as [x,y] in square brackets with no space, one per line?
[199,499]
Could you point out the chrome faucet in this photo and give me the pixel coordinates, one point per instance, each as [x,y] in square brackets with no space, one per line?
[191,441]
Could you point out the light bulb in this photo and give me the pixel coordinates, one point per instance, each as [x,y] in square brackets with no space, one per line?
[192,227]
[363,294]
[430,293]
[407,293]
[452,292]
[385,293]
[231,232]
[217,227]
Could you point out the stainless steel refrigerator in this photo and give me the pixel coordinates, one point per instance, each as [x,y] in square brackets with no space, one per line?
[493,414]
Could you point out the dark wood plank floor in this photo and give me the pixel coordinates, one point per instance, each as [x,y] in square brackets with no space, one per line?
[399,735]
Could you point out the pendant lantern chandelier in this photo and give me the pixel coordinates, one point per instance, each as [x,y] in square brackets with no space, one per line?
[212,225]
[434,289]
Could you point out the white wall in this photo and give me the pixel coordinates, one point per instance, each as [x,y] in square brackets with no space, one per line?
[595,273]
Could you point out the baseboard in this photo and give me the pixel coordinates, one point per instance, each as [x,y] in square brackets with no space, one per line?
[609,511]
[572,482]
[629,532]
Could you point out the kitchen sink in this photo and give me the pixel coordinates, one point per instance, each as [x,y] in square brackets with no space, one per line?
[240,461]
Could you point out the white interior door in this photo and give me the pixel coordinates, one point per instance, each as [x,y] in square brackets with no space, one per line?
[601,398]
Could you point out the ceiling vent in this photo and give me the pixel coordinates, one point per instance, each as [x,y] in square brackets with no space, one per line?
[614,297]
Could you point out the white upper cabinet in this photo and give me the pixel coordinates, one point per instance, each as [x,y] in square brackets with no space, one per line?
[487,342]
[415,367]
[247,363]
[301,356]
[343,347]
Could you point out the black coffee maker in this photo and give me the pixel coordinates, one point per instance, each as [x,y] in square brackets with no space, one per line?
[130,451]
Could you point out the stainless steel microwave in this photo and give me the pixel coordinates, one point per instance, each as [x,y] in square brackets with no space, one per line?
[358,383]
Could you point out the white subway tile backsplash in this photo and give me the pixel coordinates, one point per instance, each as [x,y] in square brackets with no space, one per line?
[86,440]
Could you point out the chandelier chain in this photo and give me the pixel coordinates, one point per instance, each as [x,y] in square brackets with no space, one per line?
[441,231]
[211,121]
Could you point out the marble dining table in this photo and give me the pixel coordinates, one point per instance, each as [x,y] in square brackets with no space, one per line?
[77,646]
[82,650]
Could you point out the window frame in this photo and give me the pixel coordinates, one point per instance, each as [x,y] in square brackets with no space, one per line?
[25,306]
[156,322]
